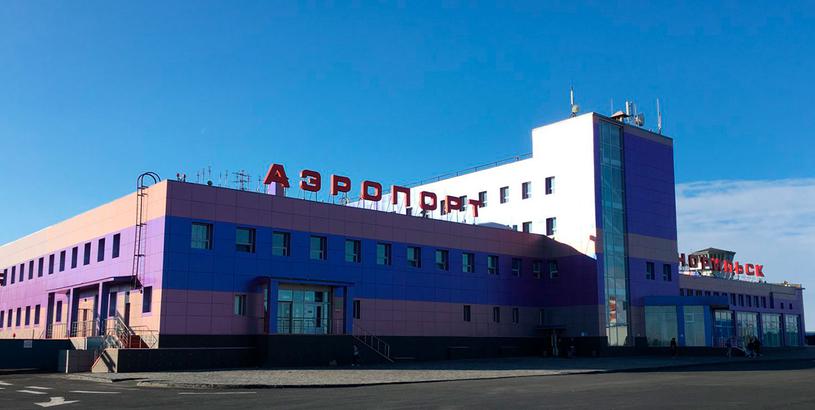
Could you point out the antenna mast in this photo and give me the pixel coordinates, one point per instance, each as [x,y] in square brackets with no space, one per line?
[659,119]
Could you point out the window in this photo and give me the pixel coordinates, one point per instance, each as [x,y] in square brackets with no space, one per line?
[741,301]
[550,185]
[466,313]
[40,267]
[201,236]
[50,264]
[492,264]
[516,267]
[117,242]
[62,261]
[357,309]
[782,305]
[443,206]
[13,273]
[749,301]
[30,269]
[19,316]
[733,299]
[408,211]
[707,293]
[10,312]
[649,270]
[667,275]
[764,302]
[281,244]
[553,269]
[482,197]
[86,256]
[516,315]
[317,248]
[240,305]
[74,256]
[352,251]
[27,315]
[463,200]
[414,256]
[100,250]
[504,197]
[526,190]
[755,301]
[36,315]
[147,299]
[537,267]
[468,262]
[526,227]
[383,254]
[681,292]
[551,226]
[245,240]
[2,318]
[22,272]
[442,259]
[58,314]
[4,278]
[496,314]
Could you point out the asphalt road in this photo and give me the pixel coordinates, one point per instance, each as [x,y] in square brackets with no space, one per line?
[741,385]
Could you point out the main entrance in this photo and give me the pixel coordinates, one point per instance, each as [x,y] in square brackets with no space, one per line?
[303,310]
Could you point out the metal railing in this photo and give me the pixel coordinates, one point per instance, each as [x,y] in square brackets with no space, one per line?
[310,326]
[55,331]
[375,343]
[86,328]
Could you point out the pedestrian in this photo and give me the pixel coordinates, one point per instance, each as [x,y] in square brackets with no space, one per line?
[757,347]
[674,348]
[729,345]
[749,352]
[355,362]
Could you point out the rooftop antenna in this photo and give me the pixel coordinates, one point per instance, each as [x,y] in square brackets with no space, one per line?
[659,119]
[575,107]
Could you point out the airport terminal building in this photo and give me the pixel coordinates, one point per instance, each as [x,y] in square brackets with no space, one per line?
[576,240]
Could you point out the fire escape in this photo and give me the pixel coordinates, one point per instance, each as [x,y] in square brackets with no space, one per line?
[138,243]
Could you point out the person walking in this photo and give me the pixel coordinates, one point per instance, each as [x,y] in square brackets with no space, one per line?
[674,348]
[757,347]
[355,362]
[749,352]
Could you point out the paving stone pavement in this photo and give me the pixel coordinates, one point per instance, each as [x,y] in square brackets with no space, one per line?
[418,371]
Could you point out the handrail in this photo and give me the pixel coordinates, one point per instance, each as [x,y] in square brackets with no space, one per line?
[375,343]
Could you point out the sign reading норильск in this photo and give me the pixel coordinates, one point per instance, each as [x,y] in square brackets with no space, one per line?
[720,265]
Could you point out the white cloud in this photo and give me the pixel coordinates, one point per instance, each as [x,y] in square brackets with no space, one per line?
[768,222]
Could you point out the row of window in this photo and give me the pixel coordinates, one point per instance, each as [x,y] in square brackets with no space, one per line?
[13,274]
[467,313]
[503,195]
[8,320]
[737,299]
[201,238]
[650,271]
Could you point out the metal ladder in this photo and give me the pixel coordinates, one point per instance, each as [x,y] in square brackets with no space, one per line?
[138,246]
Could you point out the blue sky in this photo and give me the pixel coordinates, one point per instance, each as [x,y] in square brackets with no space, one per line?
[93,93]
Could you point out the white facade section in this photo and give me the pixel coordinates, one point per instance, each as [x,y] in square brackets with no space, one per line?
[563,150]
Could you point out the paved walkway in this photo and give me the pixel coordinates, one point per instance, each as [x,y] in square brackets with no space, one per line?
[419,372]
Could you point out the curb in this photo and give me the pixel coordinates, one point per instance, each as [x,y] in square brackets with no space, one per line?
[157,383]
[10,372]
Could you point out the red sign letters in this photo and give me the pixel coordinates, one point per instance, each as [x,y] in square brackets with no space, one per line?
[369,190]
[719,265]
